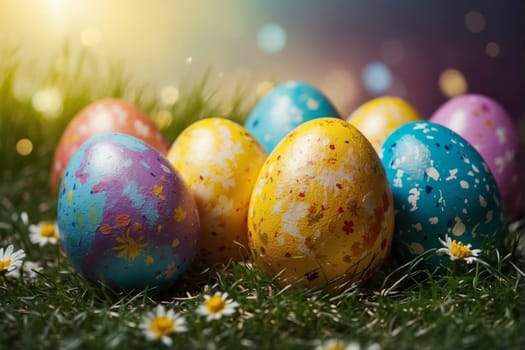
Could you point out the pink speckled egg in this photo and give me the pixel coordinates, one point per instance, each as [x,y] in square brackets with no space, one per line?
[107,115]
[485,124]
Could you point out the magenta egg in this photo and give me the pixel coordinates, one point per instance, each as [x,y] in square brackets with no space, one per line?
[486,125]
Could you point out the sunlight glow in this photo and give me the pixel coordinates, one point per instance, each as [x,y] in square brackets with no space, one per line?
[377,77]
[271,38]
[169,95]
[48,101]
[90,37]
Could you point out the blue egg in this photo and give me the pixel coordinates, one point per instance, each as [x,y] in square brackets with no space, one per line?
[284,108]
[441,186]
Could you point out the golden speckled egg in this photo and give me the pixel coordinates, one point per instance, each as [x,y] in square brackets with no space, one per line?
[321,210]
[219,160]
[377,118]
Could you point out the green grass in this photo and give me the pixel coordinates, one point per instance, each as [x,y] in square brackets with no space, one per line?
[471,307]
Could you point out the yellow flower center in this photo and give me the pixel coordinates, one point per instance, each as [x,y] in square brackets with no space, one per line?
[162,325]
[459,250]
[335,347]
[4,264]
[215,304]
[48,231]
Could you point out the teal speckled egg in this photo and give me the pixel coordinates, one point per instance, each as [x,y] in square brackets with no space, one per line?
[441,186]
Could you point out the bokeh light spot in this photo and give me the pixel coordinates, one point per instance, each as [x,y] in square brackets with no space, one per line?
[263,88]
[90,37]
[475,22]
[169,95]
[162,118]
[492,49]
[49,102]
[271,38]
[377,77]
[24,147]
[452,82]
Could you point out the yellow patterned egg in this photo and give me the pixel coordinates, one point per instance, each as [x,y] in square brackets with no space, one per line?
[219,160]
[377,118]
[321,210]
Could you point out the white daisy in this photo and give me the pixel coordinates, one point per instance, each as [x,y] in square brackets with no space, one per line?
[334,344]
[44,233]
[10,261]
[457,250]
[28,270]
[214,307]
[161,324]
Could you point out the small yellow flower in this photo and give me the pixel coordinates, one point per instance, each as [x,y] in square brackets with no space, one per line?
[9,261]
[160,324]
[214,307]
[129,247]
[457,250]
[44,233]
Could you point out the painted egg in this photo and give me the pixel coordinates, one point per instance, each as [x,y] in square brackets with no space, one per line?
[284,108]
[107,115]
[486,125]
[441,186]
[377,118]
[321,211]
[125,215]
[219,160]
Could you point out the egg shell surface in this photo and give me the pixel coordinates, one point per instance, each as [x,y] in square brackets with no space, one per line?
[285,107]
[219,160]
[441,185]
[321,211]
[488,127]
[377,118]
[125,215]
[106,115]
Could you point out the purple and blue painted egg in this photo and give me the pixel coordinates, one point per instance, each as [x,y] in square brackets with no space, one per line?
[284,108]
[125,215]
[441,186]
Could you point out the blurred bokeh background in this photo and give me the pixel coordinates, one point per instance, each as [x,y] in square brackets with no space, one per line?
[353,50]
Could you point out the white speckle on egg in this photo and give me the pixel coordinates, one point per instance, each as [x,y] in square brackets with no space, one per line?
[312,104]
[369,202]
[420,126]
[165,169]
[459,227]
[489,216]
[416,248]
[452,174]
[482,201]
[141,128]
[413,197]
[470,173]
[433,220]
[430,137]
[464,184]
[475,168]
[432,173]
[418,226]
[398,182]
[296,211]
[466,160]
[501,133]
[464,211]
[267,137]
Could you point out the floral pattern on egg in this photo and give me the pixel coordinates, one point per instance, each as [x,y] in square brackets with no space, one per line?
[125,215]
[441,185]
[322,208]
